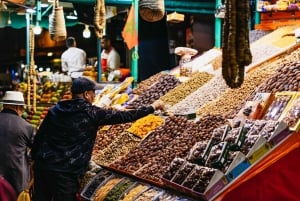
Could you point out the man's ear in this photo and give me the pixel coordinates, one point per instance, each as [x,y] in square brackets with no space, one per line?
[85,95]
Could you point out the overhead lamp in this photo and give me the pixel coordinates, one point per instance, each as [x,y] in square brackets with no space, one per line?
[44,5]
[72,15]
[37,29]
[9,19]
[30,10]
[86,32]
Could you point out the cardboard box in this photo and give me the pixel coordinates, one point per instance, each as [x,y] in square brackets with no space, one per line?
[282,131]
[292,114]
[216,183]
[237,166]
[259,149]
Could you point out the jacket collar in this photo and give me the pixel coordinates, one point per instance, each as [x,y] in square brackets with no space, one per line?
[9,111]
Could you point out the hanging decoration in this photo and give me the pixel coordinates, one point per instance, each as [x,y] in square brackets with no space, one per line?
[99,18]
[57,25]
[152,10]
[32,75]
[236,52]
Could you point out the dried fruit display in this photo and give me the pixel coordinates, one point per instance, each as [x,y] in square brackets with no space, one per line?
[282,79]
[92,171]
[293,114]
[183,172]
[147,83]
[148,195]
[173,168]
[277,107]
[91,187]
[269,129]
[152,145]
[180,146]
[214,154]
[119,147]
[193,177]
[106,135]
[133,192]
[208,92]
[252,136]
[115,193]
[204,180]
[105,188]
[286,78]
[144,125]
[183,90]
[164,84]
[197,152]
[233,97]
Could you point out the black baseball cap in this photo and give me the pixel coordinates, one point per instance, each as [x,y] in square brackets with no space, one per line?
[83,84]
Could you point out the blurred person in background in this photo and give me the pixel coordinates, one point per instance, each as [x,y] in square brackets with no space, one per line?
[16,137]
[73,60]
[110,59]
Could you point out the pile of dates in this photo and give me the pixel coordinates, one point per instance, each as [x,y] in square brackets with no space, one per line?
[165,83]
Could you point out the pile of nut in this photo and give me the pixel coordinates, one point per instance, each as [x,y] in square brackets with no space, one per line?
[148,195]
[174,166]
[179,147]
[180,92]
[286,78]
[183,172]
[197,151]
[293,114]
[165,83]
[152,145]
[106,135]
[147,83]
[119,147]
[208,92]
[276,108]
[192,176]
[233,97]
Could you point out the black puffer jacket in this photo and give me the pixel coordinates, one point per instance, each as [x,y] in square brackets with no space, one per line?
[65,139]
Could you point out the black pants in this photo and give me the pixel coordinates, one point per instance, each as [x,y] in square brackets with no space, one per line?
[53,186]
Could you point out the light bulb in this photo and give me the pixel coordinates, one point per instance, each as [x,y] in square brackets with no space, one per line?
[86,32]
[37,30]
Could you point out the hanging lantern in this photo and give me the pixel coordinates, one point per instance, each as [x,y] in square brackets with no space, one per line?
[152,10]
[57,25]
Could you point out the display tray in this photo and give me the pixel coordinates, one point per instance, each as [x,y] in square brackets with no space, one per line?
[90,189]
[199,196]
[124,173]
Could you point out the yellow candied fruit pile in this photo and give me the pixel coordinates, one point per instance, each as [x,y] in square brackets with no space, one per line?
[144,125]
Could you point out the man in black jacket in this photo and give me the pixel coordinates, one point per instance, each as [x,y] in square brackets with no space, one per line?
[64,142]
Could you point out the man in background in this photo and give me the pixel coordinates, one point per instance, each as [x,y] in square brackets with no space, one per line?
[73,60]
[110,59]
[16,137]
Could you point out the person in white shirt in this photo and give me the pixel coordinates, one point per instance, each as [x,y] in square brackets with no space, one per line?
[73,60]
[110,58]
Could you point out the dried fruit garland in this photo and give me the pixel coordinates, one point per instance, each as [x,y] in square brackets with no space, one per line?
[99,18]
[236,52]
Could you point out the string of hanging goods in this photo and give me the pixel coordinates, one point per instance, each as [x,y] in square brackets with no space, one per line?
[99,18]
[57,25]
[152,10]
[31,77]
